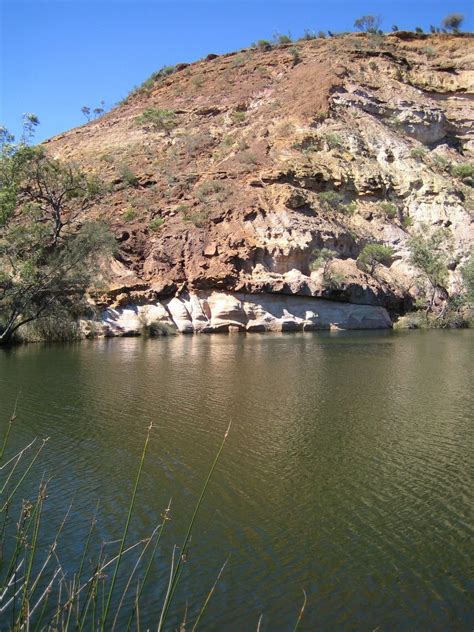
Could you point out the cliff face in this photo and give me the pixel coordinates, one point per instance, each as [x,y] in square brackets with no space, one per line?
[231,173]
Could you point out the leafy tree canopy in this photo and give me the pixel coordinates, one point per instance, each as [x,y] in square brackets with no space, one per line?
[453,21]
[368,23]
[48,256]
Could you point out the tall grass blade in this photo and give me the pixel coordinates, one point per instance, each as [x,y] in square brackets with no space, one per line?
[125,531]
[132,574]
[150,561]
[25,474]
[168,590]
[300,616]
[208,598]
[10,424]
[169,597]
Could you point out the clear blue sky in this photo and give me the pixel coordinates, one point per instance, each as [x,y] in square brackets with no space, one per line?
[57,56]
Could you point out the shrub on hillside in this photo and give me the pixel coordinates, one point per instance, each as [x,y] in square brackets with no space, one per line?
[418,153]
[373,254]
[333,140]
[157,119]
[322,258]
[238,116]
[463,170]
[331,200]
[263,45]
[127,176]
[129,215]
[281,38]
[156,223]
[295,56]
[212,190]
[333,280]
[389,209]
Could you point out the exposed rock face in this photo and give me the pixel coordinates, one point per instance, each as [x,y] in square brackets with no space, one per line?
[225,312]
[272,157]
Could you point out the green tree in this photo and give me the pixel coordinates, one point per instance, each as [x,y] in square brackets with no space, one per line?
[86,111]
[373,254]
[428,255]
[453,21]
[48,258]
[467,273]
[322,259]
[368,23]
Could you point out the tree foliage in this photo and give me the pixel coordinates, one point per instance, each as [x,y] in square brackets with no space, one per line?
[47,257]
[368,23]
[453,21]
[428,254]
[157,119]
[467,273]
[373,254]
[322,259]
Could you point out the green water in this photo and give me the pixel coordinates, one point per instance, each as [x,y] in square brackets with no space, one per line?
[347,472]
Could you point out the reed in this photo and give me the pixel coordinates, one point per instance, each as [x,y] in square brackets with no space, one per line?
[35,591]
[37,594]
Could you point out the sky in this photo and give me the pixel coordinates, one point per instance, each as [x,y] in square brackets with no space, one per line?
[56,56]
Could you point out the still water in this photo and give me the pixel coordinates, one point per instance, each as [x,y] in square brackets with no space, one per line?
[347,472]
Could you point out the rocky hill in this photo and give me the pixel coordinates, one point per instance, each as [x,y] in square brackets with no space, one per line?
[226,177]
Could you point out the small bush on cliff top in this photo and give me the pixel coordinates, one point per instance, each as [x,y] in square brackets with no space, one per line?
[453,21]
[309,35]
[281,38]
[263,45]
[156,76]
[368,23]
